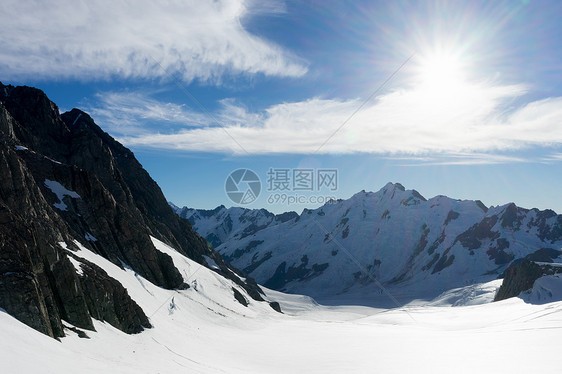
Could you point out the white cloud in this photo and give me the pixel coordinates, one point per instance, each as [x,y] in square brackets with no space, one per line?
[466,126]
[104,39]
[127,113]
[554,157]
[465,158]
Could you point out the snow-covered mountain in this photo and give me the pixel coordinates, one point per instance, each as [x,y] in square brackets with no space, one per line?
[221,224]
[395,236]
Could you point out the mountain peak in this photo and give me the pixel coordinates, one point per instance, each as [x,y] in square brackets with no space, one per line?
[394,189]
[392,186]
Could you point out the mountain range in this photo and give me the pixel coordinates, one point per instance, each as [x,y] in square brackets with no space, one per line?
[394,238]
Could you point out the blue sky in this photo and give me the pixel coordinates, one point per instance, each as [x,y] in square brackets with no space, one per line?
[455,98]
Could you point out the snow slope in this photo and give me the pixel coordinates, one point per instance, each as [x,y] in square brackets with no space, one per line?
[197,334]
[545,290]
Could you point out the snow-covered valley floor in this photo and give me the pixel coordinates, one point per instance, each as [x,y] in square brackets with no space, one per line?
[204,330]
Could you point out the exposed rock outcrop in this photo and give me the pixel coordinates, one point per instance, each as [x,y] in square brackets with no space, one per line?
[522,273]
[518,278]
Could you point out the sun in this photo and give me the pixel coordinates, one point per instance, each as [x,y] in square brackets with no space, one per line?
[442,88]
[441,71]
[440,83]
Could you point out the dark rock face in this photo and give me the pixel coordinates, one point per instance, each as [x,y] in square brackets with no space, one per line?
[287,216]
[512,216]
[518,278]
[239,297]
[33,268]
[240,252]
[472,238]
[107,300]
[521,276]
[498,254]
[443,262]
[452,215]
[275,306]
[108,203]
[548,231]
[544,255]
[283,275]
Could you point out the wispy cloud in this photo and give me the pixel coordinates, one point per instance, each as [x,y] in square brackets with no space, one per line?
[465,158]
[104,39]
[554,157]
[129,112]
[468,126]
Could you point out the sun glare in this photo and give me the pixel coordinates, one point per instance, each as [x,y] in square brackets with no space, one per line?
[442,72]
[441,84]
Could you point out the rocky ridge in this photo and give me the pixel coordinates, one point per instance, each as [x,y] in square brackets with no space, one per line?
[65,180]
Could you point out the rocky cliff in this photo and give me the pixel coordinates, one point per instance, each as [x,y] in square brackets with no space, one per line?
[522,274]
[64,180]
